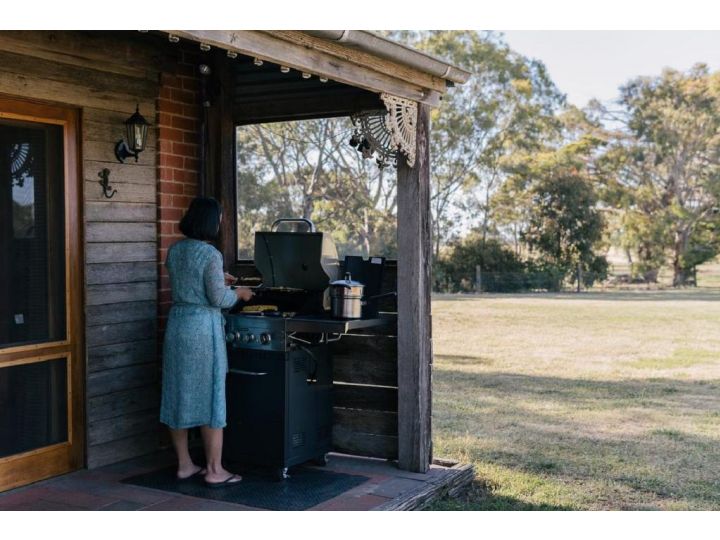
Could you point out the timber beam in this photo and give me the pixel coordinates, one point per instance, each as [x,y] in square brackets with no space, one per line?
[343,65]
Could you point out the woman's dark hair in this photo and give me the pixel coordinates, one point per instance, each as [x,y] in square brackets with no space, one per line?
[202,219]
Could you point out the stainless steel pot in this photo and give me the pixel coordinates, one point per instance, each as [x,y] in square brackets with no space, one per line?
[346,298]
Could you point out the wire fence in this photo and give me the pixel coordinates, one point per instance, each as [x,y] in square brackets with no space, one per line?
[520,282]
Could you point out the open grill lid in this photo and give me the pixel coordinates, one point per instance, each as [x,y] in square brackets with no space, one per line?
[300,260]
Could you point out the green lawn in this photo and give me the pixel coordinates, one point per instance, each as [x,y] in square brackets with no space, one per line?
[607,400]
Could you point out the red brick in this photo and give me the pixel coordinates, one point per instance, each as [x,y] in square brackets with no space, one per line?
[168,105]
[170,214]
[183,96]
[164,146]
[165,93]
[191,164]
[166,241]
[186,70]
[181,175]
[165,200]
[170,80]
[187,124]
[191,137]
[181,149]
[164,119]
[191,111]
[170,134]
[165,173]
[171,161]
[170,187]
[181,201]
[164,283]
[190,189]
[190,83]
[168,228]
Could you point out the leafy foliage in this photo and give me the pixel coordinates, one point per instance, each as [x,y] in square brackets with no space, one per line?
[307,169]
[665,163]
[508,105]
[521,185]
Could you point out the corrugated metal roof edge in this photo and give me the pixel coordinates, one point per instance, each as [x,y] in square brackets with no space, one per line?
[381,46]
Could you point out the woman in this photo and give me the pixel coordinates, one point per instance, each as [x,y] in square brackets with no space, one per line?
[194,355]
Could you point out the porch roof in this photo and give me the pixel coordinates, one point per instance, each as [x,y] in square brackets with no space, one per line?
[358,58]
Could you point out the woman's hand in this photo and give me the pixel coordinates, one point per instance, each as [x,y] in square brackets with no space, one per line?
[244,294]
[230,279]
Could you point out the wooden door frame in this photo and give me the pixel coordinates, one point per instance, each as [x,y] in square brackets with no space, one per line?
[34,465]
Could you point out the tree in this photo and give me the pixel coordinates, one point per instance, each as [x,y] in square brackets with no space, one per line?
[501,269]
[569,150]
[308,169]
[550,200]
[565,225]
[508,104]
[666,161]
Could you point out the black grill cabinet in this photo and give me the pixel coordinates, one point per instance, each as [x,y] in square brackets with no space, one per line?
[279,405]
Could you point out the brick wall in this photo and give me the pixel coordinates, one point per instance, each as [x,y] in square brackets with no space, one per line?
[178,121]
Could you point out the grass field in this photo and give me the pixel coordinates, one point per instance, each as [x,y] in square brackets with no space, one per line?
[606,400]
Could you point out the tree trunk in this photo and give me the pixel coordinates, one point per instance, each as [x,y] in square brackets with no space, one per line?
[680,273]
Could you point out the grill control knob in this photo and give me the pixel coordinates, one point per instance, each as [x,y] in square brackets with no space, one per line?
[246,338]
[251,338]
[230,337]
[265,338]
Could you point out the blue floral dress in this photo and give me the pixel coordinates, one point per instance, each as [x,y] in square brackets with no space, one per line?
[194,355]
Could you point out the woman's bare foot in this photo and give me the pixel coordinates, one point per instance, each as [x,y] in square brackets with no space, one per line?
[222,477]
[182,474]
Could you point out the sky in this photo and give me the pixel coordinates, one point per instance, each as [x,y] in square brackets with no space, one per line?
[587,64]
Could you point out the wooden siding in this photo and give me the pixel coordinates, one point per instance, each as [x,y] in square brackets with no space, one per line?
[365,386]
[105,75]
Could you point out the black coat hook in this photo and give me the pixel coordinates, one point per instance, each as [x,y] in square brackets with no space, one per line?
[105,183]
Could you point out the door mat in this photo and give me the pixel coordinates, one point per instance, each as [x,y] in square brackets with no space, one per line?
[304,489]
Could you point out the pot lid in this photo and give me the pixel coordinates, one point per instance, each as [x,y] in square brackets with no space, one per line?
[347,282]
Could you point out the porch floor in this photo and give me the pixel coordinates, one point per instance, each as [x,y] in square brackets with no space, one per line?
[387,488]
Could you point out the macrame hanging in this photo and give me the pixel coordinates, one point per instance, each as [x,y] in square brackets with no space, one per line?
[384,133]
[21,162]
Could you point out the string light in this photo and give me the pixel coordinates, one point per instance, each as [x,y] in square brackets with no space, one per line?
[204,47]
[284,69]
[306,75]
[232,54]
[173,38]
[323,79]
[257,62]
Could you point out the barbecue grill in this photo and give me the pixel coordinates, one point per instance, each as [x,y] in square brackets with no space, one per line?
[279,387]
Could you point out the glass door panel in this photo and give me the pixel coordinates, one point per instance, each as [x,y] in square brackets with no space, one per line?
[33,406]
[32,238]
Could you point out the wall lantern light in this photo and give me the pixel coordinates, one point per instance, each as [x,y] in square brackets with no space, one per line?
[136,128]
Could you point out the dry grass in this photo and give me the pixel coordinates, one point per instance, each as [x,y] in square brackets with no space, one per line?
[589,401]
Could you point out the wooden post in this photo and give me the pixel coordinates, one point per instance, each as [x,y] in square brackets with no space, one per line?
[220,165]
[414,324]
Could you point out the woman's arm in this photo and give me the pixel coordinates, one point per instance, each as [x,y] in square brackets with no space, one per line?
[217,293]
